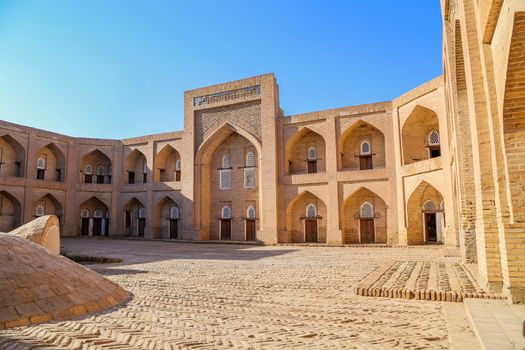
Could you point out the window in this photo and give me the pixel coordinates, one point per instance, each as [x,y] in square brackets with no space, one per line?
[145,173]
[131,177]
[367,210]
[312,160]
[109,174]
[39,210]
[100,174]
[249,177]
[250,159]
[41,163]
[97,213]
[225,179]
[88,174]
[365,156]
[226,173]
[85,213]
[174,213]
[100,170]
[226,162]
[142,213]
[312,153]
[366,150]
[429,206]
[250,213]
[41,169]
[177,170]
[226,212]
[311,211]
[434,144]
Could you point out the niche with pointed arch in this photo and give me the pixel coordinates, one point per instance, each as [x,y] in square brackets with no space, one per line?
[362,147]
[420,135]
[306,219]
[305,153]
[425,215]
[96,168]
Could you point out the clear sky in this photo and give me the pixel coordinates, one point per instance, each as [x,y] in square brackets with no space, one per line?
[118,68]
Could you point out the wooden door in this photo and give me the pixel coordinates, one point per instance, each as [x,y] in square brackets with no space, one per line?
[226,229]
[310,227]
[142,226]
[365,162]
[85,227]
[250,230]
[312,166]
[174,228]
[430,223]
[367,230]
[177,175]
[97,226]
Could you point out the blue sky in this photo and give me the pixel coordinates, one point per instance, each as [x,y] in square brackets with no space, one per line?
[116,69]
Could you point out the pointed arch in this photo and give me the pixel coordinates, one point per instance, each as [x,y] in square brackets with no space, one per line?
[50,206]
[357,228]
[298,152]
[234,141]
[12,157]
[99,164]
[134,165]
[163,215]
[94,220]
[167,164]
[418,218]
[350,147]
[134,220]
[415,135]
[514,120]
[10,212]
[299,210]
[54,162]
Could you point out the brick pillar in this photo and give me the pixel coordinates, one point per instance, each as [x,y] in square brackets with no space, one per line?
[333,230]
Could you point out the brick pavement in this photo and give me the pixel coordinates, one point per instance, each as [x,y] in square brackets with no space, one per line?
[211,296]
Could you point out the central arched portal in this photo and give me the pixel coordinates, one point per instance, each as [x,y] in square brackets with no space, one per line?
[228,172]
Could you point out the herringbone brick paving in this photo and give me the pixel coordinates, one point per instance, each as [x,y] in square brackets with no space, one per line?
[208,296]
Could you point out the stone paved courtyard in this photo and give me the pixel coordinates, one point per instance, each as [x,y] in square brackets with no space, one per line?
[217,296]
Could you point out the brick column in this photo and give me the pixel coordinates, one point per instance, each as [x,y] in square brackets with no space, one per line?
[333,230]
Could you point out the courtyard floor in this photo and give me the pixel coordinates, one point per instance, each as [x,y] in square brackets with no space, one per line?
[217,296]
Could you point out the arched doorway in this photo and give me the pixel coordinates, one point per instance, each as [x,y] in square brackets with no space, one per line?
[167,217]
[10,212]
[95,167]
[425,214]
[94,218]
[306,219]
[362,147]
[420,136]
[227,180]
[12,157]
[364,218]
[134,218]
[305,153]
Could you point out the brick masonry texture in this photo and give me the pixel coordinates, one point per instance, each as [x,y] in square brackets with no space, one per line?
[210,296]
[466,192]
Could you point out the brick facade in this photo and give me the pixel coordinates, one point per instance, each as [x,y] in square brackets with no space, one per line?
[441,163]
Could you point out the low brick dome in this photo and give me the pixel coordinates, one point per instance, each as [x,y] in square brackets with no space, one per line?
[38,285]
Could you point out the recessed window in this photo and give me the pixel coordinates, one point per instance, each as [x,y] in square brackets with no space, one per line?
[142,213]
[174,213]
[367,210]
[39,210]
[250,213]
[311,211]
[85,213]
[226,212]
